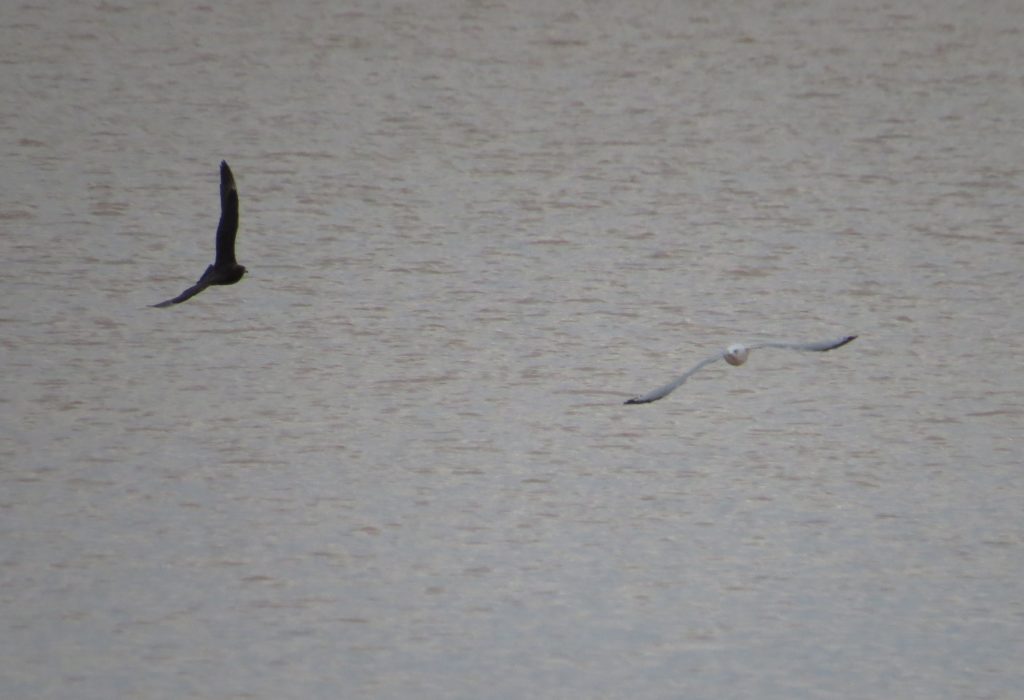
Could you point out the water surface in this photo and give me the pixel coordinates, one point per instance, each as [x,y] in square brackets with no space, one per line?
[393,461]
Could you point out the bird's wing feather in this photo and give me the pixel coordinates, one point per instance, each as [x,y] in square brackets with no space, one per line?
[228,226]
[663,391]
[203,283]
[184,296]
[820,346]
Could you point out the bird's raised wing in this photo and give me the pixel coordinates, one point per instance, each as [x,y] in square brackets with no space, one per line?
[663,391]
[199,286]
[820,346]
[228,226]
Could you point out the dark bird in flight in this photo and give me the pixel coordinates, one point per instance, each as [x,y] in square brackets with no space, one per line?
[736,354]
[225,269]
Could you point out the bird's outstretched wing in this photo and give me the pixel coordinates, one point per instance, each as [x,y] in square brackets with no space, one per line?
[199,286]
[228,226]
[820,346]
[663,391]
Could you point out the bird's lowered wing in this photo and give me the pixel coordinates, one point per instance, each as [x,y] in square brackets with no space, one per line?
[199,286]
[663,391]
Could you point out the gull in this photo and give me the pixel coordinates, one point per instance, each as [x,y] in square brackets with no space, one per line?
[225,269]
[736,354]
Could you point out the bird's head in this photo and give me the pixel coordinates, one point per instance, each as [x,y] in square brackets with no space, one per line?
[232,274]
[736,354]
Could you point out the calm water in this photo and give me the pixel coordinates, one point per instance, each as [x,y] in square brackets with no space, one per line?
[393,461]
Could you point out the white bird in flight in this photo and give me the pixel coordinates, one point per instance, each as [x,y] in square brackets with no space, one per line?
[736,354]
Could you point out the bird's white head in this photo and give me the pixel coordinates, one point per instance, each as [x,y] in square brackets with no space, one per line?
[736,354]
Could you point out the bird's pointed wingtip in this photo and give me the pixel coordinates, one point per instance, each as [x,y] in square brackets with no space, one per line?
[227,179]
[842,341]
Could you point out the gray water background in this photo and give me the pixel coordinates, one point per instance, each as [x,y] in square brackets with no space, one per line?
[393,462]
